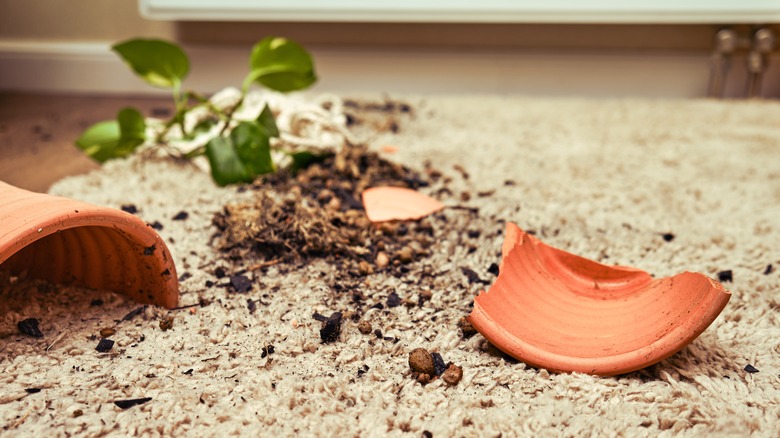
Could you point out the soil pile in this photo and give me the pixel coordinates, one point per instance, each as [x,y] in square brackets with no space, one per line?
[317,213]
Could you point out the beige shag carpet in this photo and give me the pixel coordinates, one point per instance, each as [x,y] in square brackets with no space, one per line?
[612,180]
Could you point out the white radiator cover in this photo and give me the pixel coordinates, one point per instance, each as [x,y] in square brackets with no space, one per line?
[470,11]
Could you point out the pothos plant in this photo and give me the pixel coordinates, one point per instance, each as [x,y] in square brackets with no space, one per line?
[240,150]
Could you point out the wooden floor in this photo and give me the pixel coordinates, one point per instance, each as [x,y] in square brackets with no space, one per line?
[37,133]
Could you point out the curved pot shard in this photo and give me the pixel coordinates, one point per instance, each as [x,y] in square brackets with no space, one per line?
[397,203]
[555,310]
[71,242]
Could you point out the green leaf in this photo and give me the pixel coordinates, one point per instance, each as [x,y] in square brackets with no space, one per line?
[241,157]
[281,65]
[100,140]
[114,138]
[226,166]
[132,131]
[303,159]
[132,126]
[253,148]
[160,63]
[267,122]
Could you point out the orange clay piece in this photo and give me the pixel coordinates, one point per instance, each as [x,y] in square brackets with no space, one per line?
[555,310]
[71,242]
[397,203]
[389,149]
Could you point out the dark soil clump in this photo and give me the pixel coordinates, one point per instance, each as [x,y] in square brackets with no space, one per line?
[104,345]
[29,327]
[318,213]
[332,329]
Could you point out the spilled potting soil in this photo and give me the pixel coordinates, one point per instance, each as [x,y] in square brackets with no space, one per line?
[317,212]
[292,219]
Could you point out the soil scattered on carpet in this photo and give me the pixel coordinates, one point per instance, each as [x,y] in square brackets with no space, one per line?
[290,219]
[317,213]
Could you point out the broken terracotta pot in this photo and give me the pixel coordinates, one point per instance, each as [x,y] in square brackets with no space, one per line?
[397,203]
[555,310]
[72,242]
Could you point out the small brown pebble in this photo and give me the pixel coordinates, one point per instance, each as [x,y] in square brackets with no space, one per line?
[405,255]
[453,374]
[334,204]
[466,328]
[365,327]
[423,241]
[166,324]
[423,378]
[303,179]
[408,303]
[325,195]
[382,260]
[421,361]
[107,332]
[465,196]
[365,268]
[426,295]
[77,413]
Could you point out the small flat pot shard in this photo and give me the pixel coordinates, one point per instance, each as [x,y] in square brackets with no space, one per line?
[71,242]
[397,203]
[555,310]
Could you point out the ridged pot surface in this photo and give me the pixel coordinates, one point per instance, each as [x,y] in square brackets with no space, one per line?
[72,242]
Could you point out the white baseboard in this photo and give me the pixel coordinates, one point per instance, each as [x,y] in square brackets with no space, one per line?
[63,67]
[484,11]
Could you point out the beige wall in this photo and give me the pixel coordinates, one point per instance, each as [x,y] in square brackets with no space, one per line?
[673,58]
[76,20]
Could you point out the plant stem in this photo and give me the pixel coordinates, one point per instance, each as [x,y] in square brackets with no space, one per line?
[168,125]
[181,109]
[206,102]
[229,115]
[195,152]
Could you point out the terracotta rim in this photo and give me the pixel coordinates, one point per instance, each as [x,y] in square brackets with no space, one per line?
[73,242]
[555,310]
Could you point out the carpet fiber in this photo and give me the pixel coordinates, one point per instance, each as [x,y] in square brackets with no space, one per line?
[665,186]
